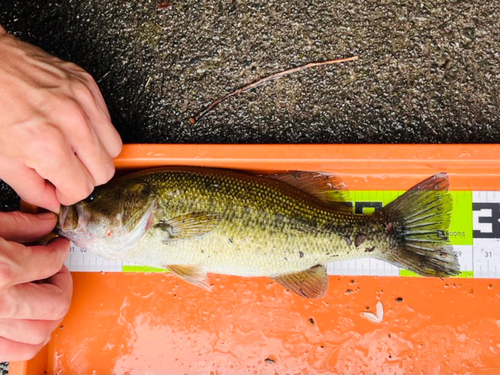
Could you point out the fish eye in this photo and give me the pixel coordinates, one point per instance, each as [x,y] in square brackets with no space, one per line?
[90,198]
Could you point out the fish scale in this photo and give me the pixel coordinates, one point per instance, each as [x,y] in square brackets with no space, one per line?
[266,244]
[196,221]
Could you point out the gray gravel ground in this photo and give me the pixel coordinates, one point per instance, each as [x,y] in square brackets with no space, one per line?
[4,368]
[429,70]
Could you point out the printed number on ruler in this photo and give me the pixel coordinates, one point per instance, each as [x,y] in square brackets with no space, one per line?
[81,259]
[486,233]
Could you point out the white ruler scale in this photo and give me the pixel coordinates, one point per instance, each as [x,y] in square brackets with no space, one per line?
[475,234]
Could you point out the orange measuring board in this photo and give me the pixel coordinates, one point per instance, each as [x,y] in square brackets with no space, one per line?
[136,323]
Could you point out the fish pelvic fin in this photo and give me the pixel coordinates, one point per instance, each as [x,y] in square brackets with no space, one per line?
[418,222]
[192,274]
[310,283]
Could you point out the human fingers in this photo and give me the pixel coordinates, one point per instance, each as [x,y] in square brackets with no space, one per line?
[83,76]
[89,97]
[17,351]
[20,264]
[59,164]
[85,143]
[103,127]
[63,281]
[24,228]
[38,301]
[29,185]
[33,332]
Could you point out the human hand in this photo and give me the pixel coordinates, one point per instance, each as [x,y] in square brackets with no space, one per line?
[56,137]
[30,309]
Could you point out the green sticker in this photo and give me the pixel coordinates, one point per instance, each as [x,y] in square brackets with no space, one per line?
[460,232]
[463,274]
[142,269]
[461,218]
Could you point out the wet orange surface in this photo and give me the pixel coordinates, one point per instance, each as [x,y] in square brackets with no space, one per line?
[155,323]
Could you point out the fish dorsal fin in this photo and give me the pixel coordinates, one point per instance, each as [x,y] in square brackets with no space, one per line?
[192,274]
[188,225]
[311,283]
[328,188]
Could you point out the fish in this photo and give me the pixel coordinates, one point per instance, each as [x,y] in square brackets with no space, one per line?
[195,221]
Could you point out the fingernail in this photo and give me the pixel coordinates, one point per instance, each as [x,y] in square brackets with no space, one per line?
[46,216]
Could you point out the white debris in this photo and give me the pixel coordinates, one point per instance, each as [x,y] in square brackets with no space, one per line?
[375,318]
[380,310]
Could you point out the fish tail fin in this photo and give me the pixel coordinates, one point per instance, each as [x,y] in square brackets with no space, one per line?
[418,221]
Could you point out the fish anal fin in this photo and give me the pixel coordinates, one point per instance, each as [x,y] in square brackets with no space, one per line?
[328,188]
[192,274]
[311,283]
[189,225]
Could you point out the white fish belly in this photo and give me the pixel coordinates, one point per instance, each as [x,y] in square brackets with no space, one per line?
[236,255]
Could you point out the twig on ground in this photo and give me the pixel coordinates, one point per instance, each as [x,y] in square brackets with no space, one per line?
[267,79]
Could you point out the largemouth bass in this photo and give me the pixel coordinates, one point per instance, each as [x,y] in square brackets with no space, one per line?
[194,221]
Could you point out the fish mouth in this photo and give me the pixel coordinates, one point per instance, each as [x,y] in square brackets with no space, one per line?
[68,218]
[71,218]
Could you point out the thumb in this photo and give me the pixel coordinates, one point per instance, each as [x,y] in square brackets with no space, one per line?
[25,228]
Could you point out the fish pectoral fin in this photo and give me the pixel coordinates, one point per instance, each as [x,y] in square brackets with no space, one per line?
[328,188]
[189,225]
[192,274]
[311,283]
